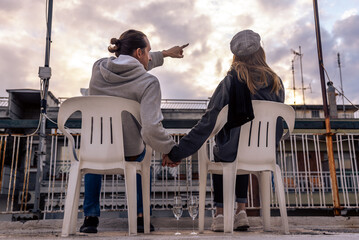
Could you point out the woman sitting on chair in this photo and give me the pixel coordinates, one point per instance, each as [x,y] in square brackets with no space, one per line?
[249,78]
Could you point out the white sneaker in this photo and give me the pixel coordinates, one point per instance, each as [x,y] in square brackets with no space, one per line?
[241,221]
[218,223]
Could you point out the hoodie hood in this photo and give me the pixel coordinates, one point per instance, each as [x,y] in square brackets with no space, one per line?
[121,69]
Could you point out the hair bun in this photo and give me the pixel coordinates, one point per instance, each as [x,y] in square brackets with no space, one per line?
[117,47]
[113,41]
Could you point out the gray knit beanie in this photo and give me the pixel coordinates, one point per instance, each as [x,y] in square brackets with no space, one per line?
[245,43]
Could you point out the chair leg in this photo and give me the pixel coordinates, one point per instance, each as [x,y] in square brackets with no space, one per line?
[71,204]
[75,210]
[130,182]
[264,191]
[229,176]
[145,180]
[203,171]
[281,199]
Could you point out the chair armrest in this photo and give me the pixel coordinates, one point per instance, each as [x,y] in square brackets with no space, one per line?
[220,122]
[285,136]
[202,154]
[65,111]
[73,154]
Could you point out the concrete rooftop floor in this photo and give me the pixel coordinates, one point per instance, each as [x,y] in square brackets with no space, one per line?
[116,228]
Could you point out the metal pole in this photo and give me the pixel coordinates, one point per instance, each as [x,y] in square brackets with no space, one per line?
[333,176]
[341,83]
[301,73]
[293,80]
[44,74]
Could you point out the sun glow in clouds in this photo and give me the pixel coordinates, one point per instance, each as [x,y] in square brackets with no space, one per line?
[82,29]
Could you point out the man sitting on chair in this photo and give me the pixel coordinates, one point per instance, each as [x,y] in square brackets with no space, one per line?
[126,76]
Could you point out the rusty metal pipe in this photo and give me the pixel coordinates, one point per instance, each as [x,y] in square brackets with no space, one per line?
[333,175]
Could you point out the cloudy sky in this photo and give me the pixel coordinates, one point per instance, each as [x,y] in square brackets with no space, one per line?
[82,29]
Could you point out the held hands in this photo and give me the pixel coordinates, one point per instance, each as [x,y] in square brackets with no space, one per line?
[174,52]
[166,161]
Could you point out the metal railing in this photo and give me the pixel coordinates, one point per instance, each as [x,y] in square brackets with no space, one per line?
[302,159]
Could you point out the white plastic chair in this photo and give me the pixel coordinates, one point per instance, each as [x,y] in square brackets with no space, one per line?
[256,154]
[102,152]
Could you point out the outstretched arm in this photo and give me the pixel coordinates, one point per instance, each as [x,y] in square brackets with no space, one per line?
[174,52]
[193,141]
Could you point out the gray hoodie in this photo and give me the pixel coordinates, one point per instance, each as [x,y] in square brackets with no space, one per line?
[126,77]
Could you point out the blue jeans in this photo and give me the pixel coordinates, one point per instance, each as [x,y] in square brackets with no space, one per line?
[241,189]
[93,189]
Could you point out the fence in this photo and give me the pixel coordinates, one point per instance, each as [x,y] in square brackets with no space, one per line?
[302,158]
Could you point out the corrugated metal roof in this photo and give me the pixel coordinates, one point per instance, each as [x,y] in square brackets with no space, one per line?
[165,104]
[4,102]
[184,104]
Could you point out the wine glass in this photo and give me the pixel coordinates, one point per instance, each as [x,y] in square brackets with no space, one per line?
[193,211]
[177,210]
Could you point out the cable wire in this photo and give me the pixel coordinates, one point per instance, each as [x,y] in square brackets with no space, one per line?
[37,129]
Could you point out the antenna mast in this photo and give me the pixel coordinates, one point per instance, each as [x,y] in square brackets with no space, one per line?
[44,75]
[300,54]
[293,80]
[301,72]
[341,83]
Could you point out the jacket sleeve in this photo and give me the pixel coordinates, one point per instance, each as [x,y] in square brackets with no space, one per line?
[190,143]
[152,130]
[157,60]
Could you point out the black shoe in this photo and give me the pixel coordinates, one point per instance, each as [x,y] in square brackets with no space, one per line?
[140,226]
[90,225]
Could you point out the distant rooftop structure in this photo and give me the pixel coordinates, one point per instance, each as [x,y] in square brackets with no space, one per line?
[184,104]
[165,103]
[23,98]
[317,111]
[173,104]
[4,101]
[25,103]
[28,95]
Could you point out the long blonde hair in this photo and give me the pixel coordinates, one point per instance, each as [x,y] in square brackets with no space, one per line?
[254,70]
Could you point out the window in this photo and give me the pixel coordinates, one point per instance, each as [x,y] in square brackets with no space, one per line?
[315,113]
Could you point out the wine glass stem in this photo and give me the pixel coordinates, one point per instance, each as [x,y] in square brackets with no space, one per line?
[177,224]
[193,225]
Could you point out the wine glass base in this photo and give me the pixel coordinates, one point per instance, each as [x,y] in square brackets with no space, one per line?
[177,233]
[194,233]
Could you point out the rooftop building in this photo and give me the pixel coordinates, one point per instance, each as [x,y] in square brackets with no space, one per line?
[302,158]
